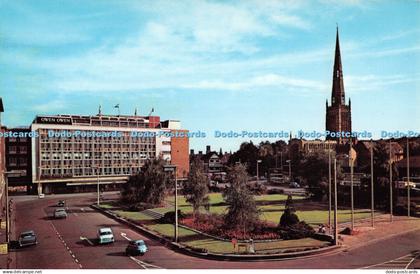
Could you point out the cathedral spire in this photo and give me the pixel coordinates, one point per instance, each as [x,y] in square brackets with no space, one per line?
[337,94]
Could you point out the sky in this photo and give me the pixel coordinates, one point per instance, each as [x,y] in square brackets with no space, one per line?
[214,65]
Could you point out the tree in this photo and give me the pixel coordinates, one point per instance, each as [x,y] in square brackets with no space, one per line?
[380,174]
[289,217]
[149,187]
[313,170]
[242,209]
[248,155]
[196,188]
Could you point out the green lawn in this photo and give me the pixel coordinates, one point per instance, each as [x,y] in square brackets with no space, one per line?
[313,217]
[168,230]
[195,240]
[136,216]
[271,207]
[217,205]
[271,210]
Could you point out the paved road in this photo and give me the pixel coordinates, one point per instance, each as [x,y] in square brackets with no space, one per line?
[71,243]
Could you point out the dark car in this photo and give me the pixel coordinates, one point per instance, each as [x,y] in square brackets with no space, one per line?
[294,185]
[61,203]
[27,238]
[136,248]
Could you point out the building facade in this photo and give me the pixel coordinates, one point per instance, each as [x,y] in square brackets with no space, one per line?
[18,157]
[338,114]
[312,146]
[73,150]
[2,143]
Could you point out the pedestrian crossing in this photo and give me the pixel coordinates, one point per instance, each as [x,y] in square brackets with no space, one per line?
[403,262]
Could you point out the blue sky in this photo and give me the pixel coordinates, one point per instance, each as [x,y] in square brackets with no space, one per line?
[214,65]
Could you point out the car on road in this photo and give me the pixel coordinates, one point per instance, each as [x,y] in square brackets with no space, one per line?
[105,235]
[61,203]
[27,238]
[137,247]
[60,213]
[41,195]
[294,185]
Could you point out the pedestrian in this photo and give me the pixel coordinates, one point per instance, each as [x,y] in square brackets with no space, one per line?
[251,246]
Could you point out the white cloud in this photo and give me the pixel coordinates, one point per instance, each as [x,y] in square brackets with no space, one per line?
[276,81]
[291,20]
[54,105]
[355,83]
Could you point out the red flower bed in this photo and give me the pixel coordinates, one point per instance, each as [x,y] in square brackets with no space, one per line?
[214,225]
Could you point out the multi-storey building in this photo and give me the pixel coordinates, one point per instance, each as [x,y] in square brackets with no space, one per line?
[18,157]
[73,150]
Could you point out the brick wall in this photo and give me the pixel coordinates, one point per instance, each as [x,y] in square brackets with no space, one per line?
[180,148]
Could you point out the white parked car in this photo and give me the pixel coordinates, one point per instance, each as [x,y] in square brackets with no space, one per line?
[105,235]
[41,195]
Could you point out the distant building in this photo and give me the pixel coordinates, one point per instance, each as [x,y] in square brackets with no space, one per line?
[363,148]
[338,114]
[311,146]
[414,167]
[213,163]
[67,154]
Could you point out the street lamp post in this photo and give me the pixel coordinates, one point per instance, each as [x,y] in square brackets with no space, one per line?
[6,192]
[6,185]
[352,192]
[172,168]
[371,186]
[96,167]
[258,175]
[408,179]
[290,169]
[329,190]
[97,174]
[335,203]
[281,161]
[277,159]
[390,182]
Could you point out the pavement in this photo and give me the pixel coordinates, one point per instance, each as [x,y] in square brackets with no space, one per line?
[71,243]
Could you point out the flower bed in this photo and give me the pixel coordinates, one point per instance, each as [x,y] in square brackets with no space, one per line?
[214,225]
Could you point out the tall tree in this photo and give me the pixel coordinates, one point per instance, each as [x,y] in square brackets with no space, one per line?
[313,170]
[196,188]
[242,209]
[149,187]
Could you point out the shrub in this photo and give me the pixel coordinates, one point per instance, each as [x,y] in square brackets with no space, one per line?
[169,217]
[258,189]
[297,231]
[275,191]
[288,218]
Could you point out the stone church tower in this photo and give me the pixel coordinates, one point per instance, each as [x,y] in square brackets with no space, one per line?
[338,115]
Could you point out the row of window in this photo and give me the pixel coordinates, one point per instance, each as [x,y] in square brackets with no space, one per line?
[60,146]
[18,149]
[78,172]
[17,161]
[98,156]
[16,140]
